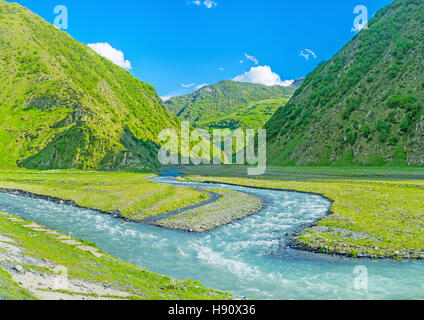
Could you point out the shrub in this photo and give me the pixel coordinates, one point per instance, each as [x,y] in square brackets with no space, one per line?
[347,113]
[402,101]
[352,106]
[365,131]
[383,128]
[383,135]
[393,139]
[391,117]
[394,71]
[404,126]
[351,135]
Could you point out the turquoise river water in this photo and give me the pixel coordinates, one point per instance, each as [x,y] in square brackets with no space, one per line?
[248,257]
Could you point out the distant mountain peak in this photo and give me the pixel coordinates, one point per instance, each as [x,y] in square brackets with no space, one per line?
[230,104]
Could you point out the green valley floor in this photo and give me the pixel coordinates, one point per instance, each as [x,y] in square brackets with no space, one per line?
[30,253]
[376,212]
[131,195]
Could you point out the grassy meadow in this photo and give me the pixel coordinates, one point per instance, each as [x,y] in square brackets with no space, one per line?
[132,194]
[376,212]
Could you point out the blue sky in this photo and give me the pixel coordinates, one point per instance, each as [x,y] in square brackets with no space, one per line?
[177,45]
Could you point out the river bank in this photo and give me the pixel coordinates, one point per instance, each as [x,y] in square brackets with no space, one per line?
[131,196]
[367,219]
[229,207]
[33,257]
[220,208]
[249,257]
[349,229]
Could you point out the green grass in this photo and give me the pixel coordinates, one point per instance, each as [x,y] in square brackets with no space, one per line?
[230,104]
[252,115]
[10,290]
[132,194]
[384,204]
[83,265]
[311,173]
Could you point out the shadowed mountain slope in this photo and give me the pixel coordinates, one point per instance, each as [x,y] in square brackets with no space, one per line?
[64,106]
[365,105]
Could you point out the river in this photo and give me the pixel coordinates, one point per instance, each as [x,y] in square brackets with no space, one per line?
[248,257]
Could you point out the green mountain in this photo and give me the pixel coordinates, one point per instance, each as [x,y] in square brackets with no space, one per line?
[64,106]
[230,104]
[297,83]
[365,105]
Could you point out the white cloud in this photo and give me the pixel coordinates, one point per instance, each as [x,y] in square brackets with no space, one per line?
[263,75]
[311,52]
[200,86]
[250,58]
[220,68]
[191,85]
[207,3]
[303,54]
[165,98]
[210,4]
[114,55]
[187,89]
[307,55]
[188,85]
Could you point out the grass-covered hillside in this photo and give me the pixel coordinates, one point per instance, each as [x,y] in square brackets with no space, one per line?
[64,106]
[365,105]
[230,104]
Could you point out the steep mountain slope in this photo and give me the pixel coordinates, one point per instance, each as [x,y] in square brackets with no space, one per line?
[365,105]
[64,106]
[230,104]
[297,83]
